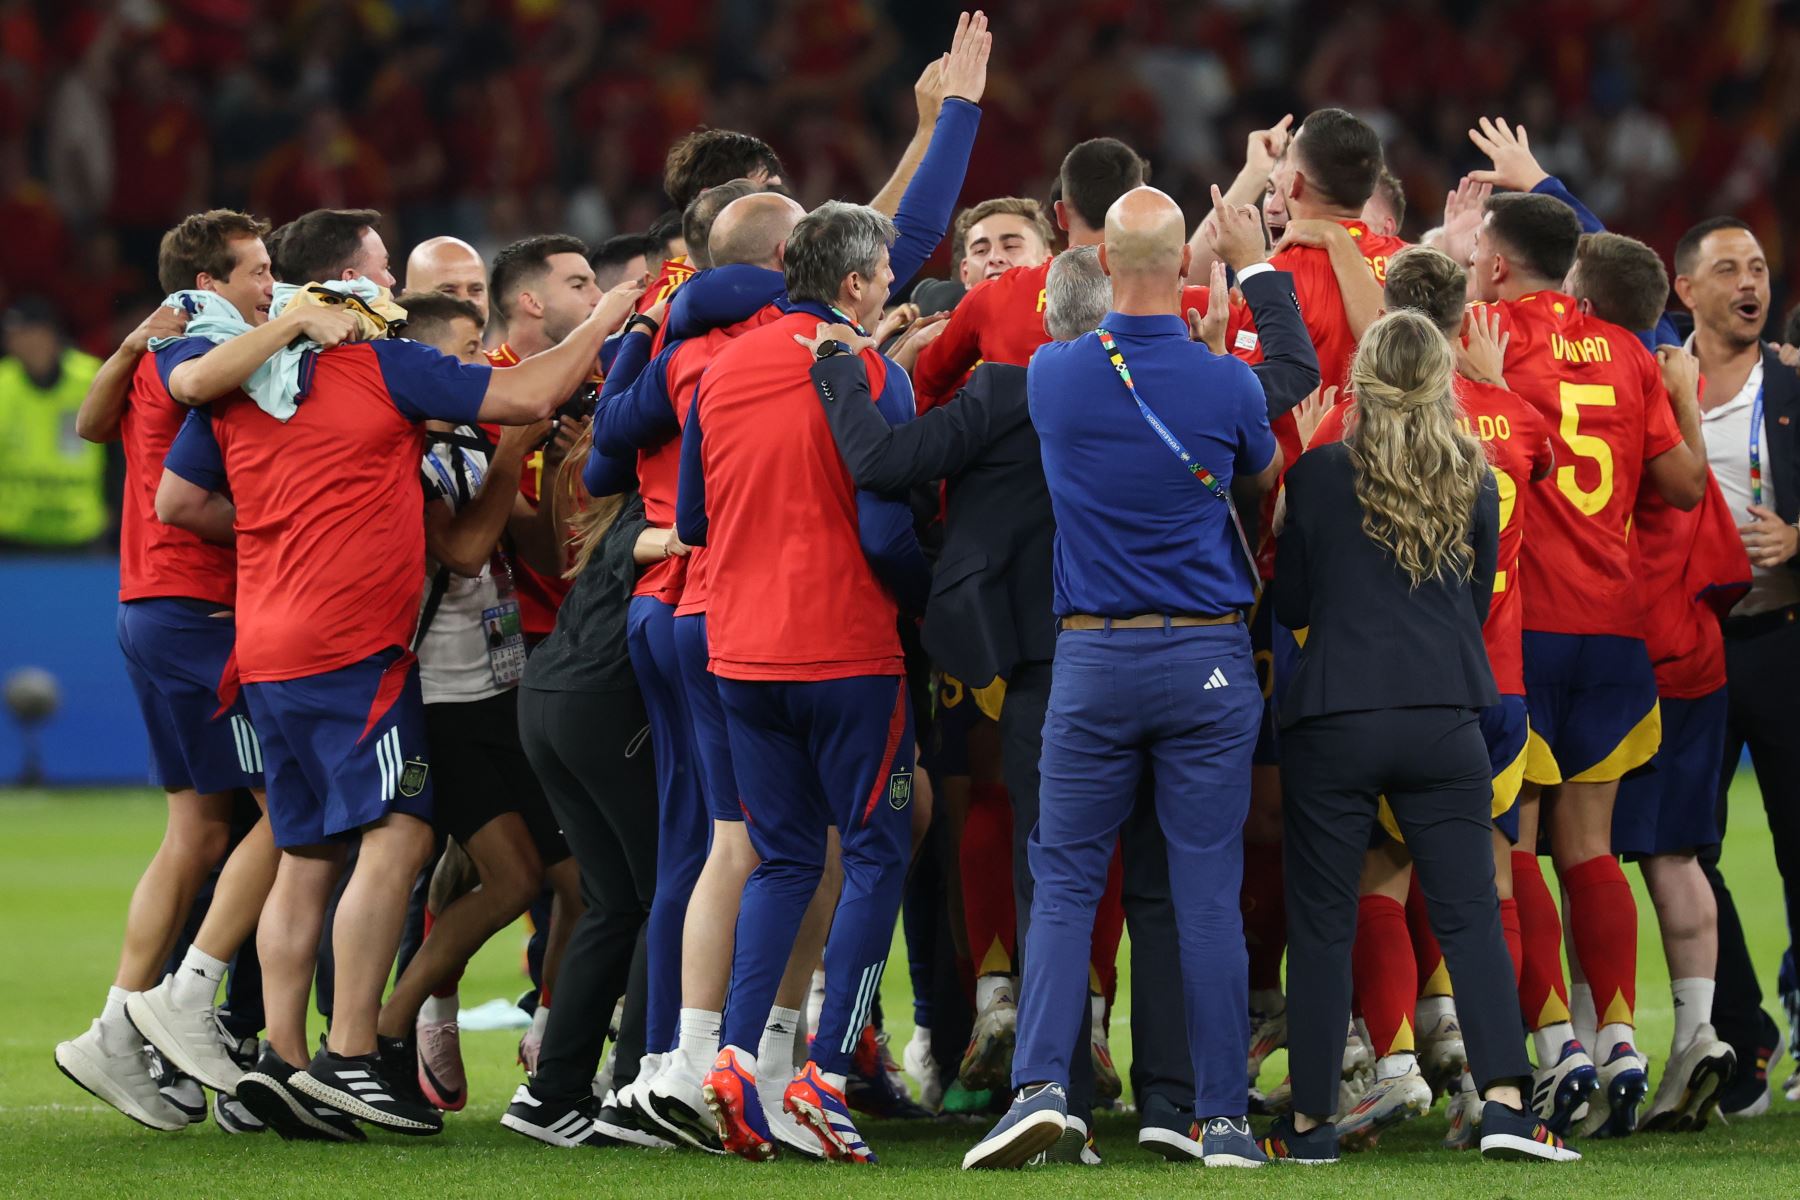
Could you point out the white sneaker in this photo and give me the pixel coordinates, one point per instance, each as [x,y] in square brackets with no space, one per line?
[1387,1102]
[1624,1081]
[790,1134]
[188,1038]
[1442,1055]
[122,1080]
[987,1063]
[673,1100]
[1690,1086]
[923,1069]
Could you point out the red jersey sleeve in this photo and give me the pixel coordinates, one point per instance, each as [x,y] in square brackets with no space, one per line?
[1662,432]
[943,364]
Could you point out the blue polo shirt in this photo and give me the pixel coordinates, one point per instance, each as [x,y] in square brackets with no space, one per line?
[1135,531]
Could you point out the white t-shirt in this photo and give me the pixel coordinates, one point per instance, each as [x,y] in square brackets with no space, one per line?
[454,664]
[1727,433]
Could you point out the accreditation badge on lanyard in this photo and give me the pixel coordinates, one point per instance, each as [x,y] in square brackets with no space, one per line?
[502,627]
[1756,430]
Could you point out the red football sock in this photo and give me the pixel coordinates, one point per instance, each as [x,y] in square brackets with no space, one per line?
[1543,992]
[1109,927]
[985,859]
[1434,978]
[1509,926]
[448,987]
[1265,914]
[1382,966]
[1603,925]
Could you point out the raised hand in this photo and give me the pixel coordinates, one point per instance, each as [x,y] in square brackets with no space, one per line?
[1235,233]
[1515,167]
[1267,145]
[618,303]
[1482,357]
[965,67]
[1210,329]
[1463,210]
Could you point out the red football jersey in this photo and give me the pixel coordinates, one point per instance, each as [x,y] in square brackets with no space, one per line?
[674,273]
[331,548]
[793,597]
[1002,321]
[539,595]
[1518,445]
[157,559]
[1691,569]
[1602,395]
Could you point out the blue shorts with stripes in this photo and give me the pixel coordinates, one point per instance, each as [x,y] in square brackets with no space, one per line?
[179,657]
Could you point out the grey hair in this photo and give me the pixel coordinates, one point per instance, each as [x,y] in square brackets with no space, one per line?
[1077,294]
[831,242]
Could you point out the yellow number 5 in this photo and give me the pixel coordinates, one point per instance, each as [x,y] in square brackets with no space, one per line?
[1582,445]
[1509,499]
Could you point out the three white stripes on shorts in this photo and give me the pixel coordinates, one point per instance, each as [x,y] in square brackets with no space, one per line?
[249,750]
[387,756]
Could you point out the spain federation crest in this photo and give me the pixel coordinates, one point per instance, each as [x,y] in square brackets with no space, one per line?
[899,790]
[412,776]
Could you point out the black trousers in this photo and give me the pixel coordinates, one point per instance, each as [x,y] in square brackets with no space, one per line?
[591,752]
[1762,668]
[1432,766]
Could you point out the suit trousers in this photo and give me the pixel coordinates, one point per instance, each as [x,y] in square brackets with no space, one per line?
[1432,765]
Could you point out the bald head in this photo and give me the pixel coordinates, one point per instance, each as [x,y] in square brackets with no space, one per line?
[1145,235]
[752,230]
[452,267]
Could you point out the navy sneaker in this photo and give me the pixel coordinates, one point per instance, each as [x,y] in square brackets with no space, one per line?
[1033,1124]
[1509,1133]
[1228,1142]
[1316,1147]
[1166,1130]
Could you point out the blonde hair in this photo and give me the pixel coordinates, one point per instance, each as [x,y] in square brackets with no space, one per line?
[589,516]
[1418,474]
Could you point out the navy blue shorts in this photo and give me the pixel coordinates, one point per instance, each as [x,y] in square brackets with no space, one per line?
[343,749]
[1594,716]
[712,745]
[179,658]
[955,714]
[1506,728]
[1673,807]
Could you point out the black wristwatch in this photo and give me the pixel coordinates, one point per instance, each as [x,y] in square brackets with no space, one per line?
[649,324]
[830,348]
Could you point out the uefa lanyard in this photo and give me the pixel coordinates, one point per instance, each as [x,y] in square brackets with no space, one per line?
[1756,425]
[1197,469]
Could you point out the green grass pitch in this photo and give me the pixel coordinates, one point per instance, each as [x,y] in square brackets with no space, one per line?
[68,862]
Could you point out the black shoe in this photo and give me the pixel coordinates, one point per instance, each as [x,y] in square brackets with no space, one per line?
[569,1125]
[399,1063]
[358,1087]
[182,1091]
[232,1117]
[1511,1133]
[267,1091]
[1317,1146]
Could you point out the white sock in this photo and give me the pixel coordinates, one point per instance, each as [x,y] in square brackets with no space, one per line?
[1693,1008]
[699,1038]
[539,1020]
[1097,1006]
[922,1036]
[1612,1035]
[1391,1066]
[1549,1041]
[1583,1016]
[835,1080]
[116,1033]
[195,983]
[815,999]
[991,988]
[648,1066]
[1431,1010]
[777,1050]
[440,1008]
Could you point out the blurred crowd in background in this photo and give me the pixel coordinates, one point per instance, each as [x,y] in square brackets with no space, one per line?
[494,119]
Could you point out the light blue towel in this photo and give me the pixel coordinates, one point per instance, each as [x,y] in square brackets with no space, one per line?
[275,386]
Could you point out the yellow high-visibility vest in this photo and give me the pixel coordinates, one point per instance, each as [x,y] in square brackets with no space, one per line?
[52,484]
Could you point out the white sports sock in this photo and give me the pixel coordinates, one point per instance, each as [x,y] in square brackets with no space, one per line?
[990,988]
[1097,1006]
[778,1051]
[1391,1066]
[116,1032]
[1610,1036]
[1583,1016]
[1693,1008]
[439,1008]
[815,999]
[699,1038]
[1432,1009]
[195,983]
[1548,1042]
[835,1080]
[539,1020]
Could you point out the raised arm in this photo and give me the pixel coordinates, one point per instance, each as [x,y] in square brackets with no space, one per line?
[1679,474]
[103,408]
[962,73]
[1357,285]
[638,415]
[532,390]
[229,365]
[464,540]
[1264,147]
[1290,367]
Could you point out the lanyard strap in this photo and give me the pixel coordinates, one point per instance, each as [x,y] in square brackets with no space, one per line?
[1194,467]
[1756,425]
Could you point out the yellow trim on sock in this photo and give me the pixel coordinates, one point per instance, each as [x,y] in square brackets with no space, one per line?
[1439,983]
[1403,1040]
[995,960]
[1554,1012]
[1618,1012]
[1633,751]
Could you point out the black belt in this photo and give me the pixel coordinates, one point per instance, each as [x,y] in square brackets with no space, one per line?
[1761,623]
